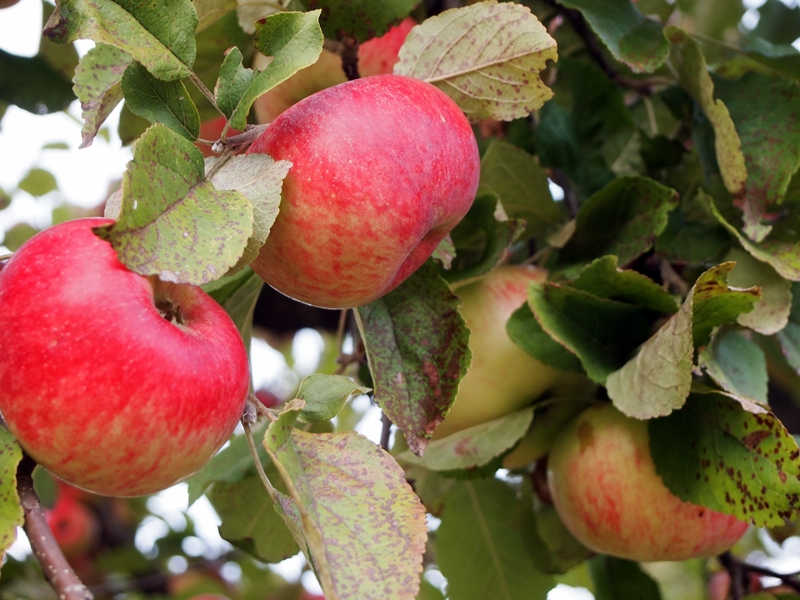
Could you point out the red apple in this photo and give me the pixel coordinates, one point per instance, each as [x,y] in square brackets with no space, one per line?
[502,377]
[7,3]
[382,169]
[375,57]
[74,526]
[117,383]
[607,492]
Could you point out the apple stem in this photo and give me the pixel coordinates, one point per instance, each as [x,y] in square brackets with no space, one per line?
[259,467]
[54,565]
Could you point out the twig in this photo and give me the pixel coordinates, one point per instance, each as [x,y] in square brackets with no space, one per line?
[260,407]
[204,90]
[570,199]
[340,329]
[738,569]
[386,432]
[55,566]
[350,57]
[259,467]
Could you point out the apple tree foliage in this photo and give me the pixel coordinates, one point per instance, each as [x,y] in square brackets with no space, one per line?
[672,130]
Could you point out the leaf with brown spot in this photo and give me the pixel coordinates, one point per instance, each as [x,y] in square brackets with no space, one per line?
[11,514]
[487,57]
[416,343]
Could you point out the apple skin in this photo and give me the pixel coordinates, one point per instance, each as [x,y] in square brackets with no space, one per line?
[502,377]
[606,490]
[7,3]
[382,169]
[74,527]
[99,387]
[375,57]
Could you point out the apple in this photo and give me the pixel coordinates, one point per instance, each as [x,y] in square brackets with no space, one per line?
[502,377]
[7,3]
[74,527]
[382,169]
[606,490]
[375,57]
[119,384]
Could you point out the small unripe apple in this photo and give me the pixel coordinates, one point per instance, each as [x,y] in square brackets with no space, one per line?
[74,526]
[502,377]
[375,57]
[382,169]
[606,490]
[116,383]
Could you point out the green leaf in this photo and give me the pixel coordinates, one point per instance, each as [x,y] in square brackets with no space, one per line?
[737,365]
[171,218]
[38,182]
[657,380]
[210,11]
[166,102]
[160,37]
[325,396]
[481,548]
[771,313]
[516,178]
[249,519]
[604,279]
[98,87]
[341,484]
[619,579]
[789,337]
[240,296]
[631,37]
[363,19]
[32,84]
[623,219]
[487,57]
[11,514]
[292,39]
[474,446]
[716,454]
[260,179]
[525,331]
[600,332]
[417,350]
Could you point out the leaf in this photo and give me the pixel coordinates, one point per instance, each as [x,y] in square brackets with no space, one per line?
[695,79]
[248,13]
[771,313]
[249,519]
[516,178]
[11,514]
[238,295]
[789,337]
[623,219]
[487,57]
[416,344]
[38,182]
[525,331]
[737,365]
[159,36]
[292,39]
[259,178]
[619,579]
[474,446]
[657,380]
[480,546]
[171,218]
[362,19]
[33,85]
[716,454]
[98,87]
[210,11]
[166,102]
[325,396]
[603,278]
[361,518]
[600,332]
[631,37]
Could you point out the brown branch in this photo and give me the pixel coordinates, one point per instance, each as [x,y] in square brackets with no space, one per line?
[739,571]
[54,565]
[350,57]
[386,432]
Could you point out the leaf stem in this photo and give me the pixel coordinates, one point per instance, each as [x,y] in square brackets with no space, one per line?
[259,467]
[204,90]
[58,571]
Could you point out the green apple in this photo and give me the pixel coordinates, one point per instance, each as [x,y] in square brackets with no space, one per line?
[606,490]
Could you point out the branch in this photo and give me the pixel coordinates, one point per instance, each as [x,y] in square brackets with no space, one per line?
[739,570]
[386,432]
[350,57]
[54,565]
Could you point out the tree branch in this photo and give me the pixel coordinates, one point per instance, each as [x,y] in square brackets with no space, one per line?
[739,570]
[386,432]
[54,565]
[350,57]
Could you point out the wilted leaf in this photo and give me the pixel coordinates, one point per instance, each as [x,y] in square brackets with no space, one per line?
[363,19]
[166,102]
[325,396]
[417,350]
[98,86]
[737,365]
[11,515]
[630,36]
[714,453]
[501,80]
[173,223]
[480,545]
[159,36]
[475,446]
[771,313]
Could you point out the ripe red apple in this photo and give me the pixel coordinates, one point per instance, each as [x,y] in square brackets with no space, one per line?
[74,526]
[502,377]
[119,384]
[382,169]
[375,57]
[607,492]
